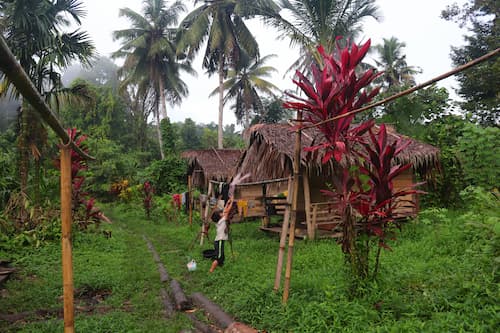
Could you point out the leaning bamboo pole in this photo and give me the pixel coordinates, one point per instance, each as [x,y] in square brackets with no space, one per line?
[293,220]
[284,234]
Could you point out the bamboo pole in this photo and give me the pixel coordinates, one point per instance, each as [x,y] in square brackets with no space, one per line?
[291,237]
[189,201]
[307,203]
[284,234]
[67,261]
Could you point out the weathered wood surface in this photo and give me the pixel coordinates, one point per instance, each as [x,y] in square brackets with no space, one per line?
[180,298]
[213,310]
[199,325]
[168,304]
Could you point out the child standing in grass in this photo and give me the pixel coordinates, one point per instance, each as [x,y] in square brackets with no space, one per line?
[222,232]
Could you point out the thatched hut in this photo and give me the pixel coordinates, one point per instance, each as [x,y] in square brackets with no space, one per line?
[211,164]
[270,156]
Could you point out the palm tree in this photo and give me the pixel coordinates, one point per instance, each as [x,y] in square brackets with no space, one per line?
[243,86]
[149,50]
[229,42]
[320,22]
[392,61]
[34,30]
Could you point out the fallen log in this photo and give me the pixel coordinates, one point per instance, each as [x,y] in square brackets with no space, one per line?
[167,303]
[199,325]
[213,310]
[180,298]
[164,277]
[151,248]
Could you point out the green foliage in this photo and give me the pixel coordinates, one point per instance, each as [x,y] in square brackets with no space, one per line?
[8,177]
[112,164]
[479,85]
[410,114]
[273,112]
[478,151]
[444,188]
[167,175]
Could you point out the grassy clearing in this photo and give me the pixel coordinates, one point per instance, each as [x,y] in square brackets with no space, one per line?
[441,276]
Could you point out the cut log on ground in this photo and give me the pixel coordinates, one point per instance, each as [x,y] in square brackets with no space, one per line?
[168,304]
[222,319]
[199,325]
[151,248]
[180,298]
[164,277]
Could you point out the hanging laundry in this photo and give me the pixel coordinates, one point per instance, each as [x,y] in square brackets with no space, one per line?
[242,207]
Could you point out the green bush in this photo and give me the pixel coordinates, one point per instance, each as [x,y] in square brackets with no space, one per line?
[167,175]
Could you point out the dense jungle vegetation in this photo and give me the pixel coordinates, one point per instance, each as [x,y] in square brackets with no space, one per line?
[441,274]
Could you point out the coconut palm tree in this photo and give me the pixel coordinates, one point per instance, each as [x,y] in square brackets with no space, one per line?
[392,61]
[229,42]
[320,22]
[244,84]
[149,49]
[35,32]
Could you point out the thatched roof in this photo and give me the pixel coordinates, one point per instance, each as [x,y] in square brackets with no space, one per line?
[211,164]
[271,149]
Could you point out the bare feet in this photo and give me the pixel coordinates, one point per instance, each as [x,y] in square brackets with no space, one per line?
[214,266]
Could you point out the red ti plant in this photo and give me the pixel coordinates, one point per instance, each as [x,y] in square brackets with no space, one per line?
[337,89]
[378,205]
[148,197]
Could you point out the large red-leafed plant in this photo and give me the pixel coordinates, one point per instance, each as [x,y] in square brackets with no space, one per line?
[363,168]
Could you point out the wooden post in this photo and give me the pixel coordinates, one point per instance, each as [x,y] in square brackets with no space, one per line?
[189,201]
[284,234]
[314,217]
[67,260]
[265,218]
[291,237]
[205,214]
[307,201]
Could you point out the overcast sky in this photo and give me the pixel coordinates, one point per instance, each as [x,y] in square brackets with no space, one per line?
[417,23]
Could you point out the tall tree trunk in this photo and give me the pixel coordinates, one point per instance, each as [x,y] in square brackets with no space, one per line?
[221,101]
[163,110]
[158,131]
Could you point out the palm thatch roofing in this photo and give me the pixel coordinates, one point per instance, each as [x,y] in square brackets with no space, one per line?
[211,164]
[270,152]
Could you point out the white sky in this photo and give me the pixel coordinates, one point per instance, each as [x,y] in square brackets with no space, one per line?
[417,23]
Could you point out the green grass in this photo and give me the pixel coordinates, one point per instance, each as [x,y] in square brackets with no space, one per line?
[441,276]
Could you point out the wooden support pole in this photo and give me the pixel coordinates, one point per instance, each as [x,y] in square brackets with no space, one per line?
[67,260]
[189,200]
[284,234]
[307,201]
[205,215]
[291,237]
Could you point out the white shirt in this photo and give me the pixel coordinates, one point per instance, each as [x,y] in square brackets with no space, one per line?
[221,230]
